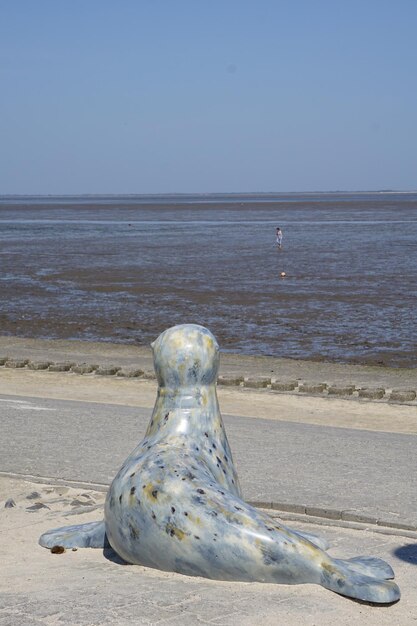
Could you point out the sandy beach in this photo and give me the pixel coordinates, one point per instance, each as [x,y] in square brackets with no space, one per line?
[95,587]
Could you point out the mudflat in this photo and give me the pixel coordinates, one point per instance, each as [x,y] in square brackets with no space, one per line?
[122,269]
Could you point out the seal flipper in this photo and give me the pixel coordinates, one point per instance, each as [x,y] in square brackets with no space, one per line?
[343,578]
[370,566]
[92,535]
[316,540]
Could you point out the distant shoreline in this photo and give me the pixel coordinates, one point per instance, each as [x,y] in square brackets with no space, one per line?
[184,195]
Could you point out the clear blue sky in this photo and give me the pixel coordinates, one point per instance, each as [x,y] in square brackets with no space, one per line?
[159,96]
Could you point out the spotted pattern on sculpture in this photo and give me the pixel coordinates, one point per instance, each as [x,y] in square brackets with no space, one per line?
[176,503]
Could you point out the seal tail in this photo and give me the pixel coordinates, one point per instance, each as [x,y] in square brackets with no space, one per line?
[91,535]
[362,578]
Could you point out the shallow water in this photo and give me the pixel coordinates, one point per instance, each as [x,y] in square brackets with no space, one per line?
[124,268]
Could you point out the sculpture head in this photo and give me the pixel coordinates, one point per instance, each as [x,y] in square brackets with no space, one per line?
[186,355]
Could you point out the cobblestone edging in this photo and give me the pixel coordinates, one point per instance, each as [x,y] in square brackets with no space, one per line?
[298,387]
[260,383]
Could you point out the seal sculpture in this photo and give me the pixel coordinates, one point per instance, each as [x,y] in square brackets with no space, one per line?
[176,503]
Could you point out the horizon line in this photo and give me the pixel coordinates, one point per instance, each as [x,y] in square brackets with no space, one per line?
[204,193]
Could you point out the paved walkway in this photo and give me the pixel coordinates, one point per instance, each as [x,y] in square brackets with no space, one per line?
[335,473]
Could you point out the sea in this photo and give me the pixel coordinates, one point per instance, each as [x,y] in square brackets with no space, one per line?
[121,269]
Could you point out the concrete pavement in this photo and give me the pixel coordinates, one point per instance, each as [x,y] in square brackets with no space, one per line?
[335,473]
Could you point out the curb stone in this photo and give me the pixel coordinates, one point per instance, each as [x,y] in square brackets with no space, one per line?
[256,382]
[325,513]
[396,525]
[352,515]
[61,367]
[337,390]
[39,365]
[399,395]
[290,385]
[83,368]
[110,370]
[316,511]
[130,372]
[16,363]
[372,394]
[229,381]
[312,388]
[149,375]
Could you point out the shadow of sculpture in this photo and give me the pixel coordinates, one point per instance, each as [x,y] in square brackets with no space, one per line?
[407,553]
[110,555]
